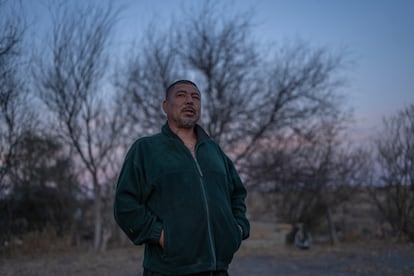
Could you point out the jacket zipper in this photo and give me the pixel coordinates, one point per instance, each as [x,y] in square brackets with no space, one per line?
[210,235]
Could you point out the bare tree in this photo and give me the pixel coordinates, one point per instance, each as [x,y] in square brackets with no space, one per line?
[225,58]
[312,173]
[393,191]
[70,82]
[250,94]
[16,116]
[212,50]
[143,80]
[299,88]
[247,94]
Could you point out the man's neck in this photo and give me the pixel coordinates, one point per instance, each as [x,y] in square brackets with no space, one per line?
[185,134]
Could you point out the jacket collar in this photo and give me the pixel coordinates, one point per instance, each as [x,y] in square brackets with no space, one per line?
[199,131]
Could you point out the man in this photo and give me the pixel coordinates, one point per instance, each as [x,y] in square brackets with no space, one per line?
[180,195]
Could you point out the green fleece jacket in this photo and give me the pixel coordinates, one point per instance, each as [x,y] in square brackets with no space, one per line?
[199,202]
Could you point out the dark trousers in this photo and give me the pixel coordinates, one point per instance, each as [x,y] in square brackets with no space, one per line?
[209,273]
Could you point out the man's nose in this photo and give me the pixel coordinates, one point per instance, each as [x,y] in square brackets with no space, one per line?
[189,99]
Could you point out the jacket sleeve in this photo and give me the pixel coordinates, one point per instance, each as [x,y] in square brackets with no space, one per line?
[130,211]
[238,198]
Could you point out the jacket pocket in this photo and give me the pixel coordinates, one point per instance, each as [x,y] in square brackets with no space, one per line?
[238,233]
[228,239]
[185,242]
[166,241]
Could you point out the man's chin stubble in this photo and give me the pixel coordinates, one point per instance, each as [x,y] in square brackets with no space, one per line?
[187,123]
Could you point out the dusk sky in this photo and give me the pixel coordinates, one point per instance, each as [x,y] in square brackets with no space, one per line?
[378,34]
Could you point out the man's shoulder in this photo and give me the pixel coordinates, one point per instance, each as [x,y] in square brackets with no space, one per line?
[145,145]
[148,140]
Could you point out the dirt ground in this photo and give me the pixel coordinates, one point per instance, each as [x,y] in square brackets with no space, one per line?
[257,256]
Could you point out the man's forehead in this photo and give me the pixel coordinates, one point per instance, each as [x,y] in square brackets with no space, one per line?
[186,87]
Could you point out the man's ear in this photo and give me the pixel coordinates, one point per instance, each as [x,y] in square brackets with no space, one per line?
[164,106]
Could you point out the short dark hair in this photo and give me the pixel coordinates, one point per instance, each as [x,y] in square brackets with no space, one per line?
[171,86]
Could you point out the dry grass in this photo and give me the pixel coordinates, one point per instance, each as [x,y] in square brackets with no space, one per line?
[262,254]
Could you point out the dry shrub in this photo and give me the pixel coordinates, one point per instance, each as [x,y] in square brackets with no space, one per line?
[356,235]
[37,242]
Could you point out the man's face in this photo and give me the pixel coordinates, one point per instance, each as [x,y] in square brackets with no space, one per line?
[183,106]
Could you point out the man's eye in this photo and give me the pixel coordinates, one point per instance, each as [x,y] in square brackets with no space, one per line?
[196,96]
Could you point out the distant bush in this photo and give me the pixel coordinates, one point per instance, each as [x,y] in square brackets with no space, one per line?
[35,208]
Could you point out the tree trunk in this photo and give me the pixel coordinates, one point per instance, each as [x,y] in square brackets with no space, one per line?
[123,239]
[98,214]
[331,225]
[107,234]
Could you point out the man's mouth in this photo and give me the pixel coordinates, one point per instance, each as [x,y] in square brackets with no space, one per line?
[189,110]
